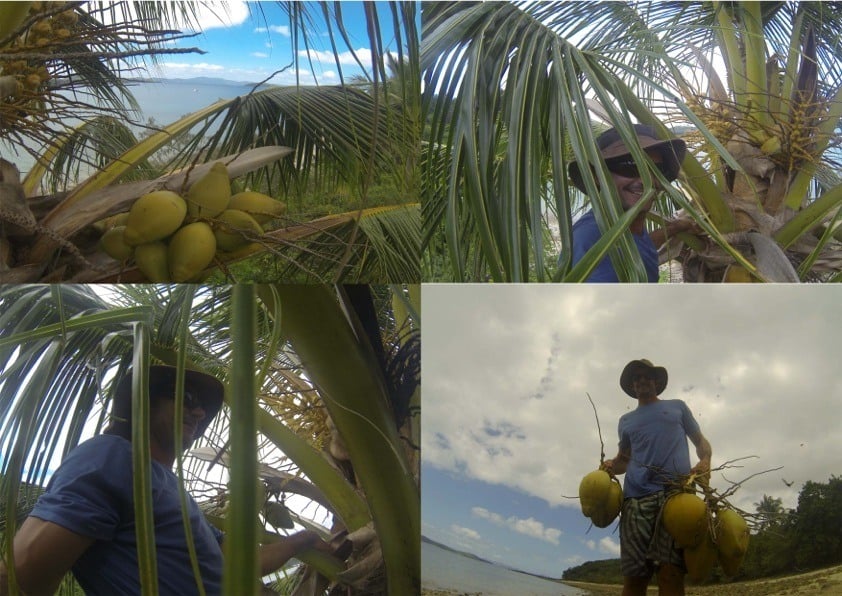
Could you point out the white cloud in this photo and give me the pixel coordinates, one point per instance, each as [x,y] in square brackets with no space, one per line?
[528,527]
[280,29]
[345,58]
[609,546]
[260,55]
[465,532]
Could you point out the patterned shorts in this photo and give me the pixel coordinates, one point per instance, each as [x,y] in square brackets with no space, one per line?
[644,542]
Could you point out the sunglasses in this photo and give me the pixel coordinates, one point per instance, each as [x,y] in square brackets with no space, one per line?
[626,167]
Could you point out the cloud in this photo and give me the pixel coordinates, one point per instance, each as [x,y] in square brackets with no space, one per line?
[465,532]
[260,55]
[609,546]
[346,58]
[528,527]
[280,29]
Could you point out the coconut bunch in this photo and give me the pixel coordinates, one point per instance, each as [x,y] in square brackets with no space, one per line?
[25,52]
[709,531]
[171,237]
[601,497]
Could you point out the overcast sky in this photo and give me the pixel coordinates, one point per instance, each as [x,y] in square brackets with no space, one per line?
[508,430]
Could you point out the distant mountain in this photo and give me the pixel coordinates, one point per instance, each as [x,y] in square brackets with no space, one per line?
[195,81]
[473,556]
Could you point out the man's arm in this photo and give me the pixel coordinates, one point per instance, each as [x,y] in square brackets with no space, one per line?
[619,464]
[44,553]
[703,451]
[274,555]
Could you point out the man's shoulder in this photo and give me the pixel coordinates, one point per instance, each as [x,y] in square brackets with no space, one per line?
[587,221]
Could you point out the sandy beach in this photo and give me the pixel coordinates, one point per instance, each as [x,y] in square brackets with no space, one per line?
[825,582]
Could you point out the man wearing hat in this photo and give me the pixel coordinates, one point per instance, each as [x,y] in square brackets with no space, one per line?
[653,454]
[85,519]
[667,156]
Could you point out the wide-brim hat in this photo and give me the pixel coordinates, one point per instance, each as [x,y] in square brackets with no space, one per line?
[627,376]
[610,144]
[206,388]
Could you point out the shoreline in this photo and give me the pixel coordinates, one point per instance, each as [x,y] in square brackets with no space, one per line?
[810,583]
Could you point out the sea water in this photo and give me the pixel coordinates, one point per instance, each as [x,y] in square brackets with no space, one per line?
[442,569]
[163,101]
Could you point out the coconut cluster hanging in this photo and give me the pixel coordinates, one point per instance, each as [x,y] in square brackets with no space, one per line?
[709,530]
[175,238]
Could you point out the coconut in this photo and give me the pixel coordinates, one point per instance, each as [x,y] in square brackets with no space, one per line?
[209,195]
[190,250]
[154,216]
[685,518]
[114,245]
[701,560]
[594,491]
[603,516]
[151,259]
[261,207]
[231,228]
[731,539]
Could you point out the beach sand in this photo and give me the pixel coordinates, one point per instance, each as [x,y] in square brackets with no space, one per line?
[824,582]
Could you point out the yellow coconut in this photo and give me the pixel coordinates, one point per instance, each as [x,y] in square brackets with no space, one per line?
[154,216]
[112,221]
[231,228]
[209,195]
[594,491]
[701,559]
[737,274]
[261,207]
[731,539]
[151,259]
[685,518]
[604,515]
[114,245]
[190,250]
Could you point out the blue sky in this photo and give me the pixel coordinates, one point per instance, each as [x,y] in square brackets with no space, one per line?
[508,432]
[249,45]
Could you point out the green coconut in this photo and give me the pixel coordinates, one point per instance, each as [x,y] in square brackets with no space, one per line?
[151,259]
[154,216]
[232,227]
[731,539]
[261,207]
[209,195]
[190,250]
[701,560]
[594,492]
[685,518]
[605,514]
[113,244]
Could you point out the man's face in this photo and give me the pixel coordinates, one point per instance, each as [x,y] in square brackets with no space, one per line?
[644,385]
[629,185]
[162,421]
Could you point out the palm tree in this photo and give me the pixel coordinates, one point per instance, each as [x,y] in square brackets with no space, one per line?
[770,510]
[326,408]
[506,113]
[284,141]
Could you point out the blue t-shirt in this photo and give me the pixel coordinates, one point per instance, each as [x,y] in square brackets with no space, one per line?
[586,233]
[91,494]
[656,434]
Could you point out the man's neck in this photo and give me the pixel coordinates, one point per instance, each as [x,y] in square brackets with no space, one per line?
[163,456]
[647,399]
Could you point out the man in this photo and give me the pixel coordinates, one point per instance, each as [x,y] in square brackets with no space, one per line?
[653,454]
[667,157]
[85,519]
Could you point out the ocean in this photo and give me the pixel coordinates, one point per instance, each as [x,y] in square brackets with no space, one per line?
[164,101]
[443,569]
